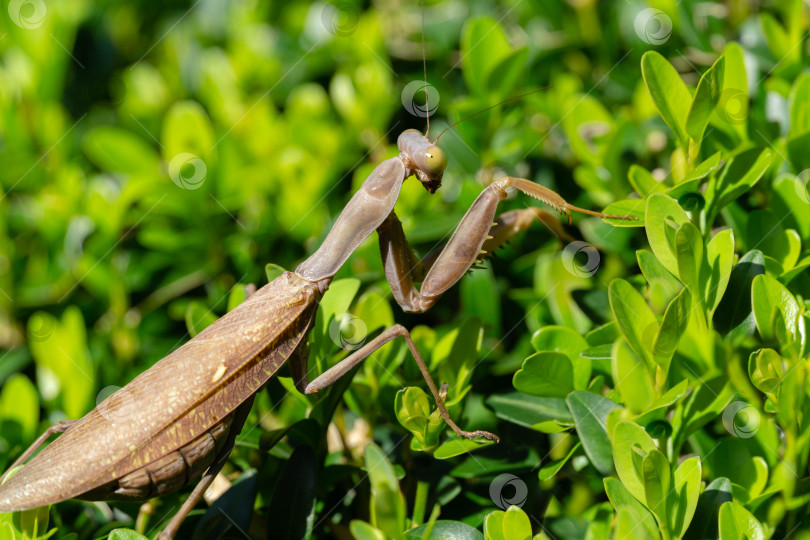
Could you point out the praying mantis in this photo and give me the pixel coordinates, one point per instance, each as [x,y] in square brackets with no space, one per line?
[193,403]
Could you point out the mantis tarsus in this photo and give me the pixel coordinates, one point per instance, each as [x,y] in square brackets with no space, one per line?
[192,403]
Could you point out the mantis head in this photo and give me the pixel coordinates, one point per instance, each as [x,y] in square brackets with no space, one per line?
[427,159]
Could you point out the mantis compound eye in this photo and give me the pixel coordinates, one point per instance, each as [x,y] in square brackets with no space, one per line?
[435,159]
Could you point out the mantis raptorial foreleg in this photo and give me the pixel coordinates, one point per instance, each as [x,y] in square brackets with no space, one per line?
[332,374]
[474,238]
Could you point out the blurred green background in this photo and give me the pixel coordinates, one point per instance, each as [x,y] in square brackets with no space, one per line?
[153,156]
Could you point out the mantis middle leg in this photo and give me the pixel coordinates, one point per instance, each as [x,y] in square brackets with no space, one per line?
[344,366]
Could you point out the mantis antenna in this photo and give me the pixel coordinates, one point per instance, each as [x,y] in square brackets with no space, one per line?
[513,98]
[424,68]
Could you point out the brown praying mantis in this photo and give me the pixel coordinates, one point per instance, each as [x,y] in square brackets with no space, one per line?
[193,403]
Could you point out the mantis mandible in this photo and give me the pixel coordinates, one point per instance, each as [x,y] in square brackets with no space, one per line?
[193,403]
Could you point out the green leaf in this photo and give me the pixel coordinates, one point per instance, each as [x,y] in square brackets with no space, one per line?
[704,524]
[198,317]
[484,46]
[116,150]
[686,491]
[668,92]
[560,339]
[796,147]
[733,106]
[506,74]
[272,271]
[444,529]
[480,298]
[387,502]
[663,285]
[630,444]
[626,207]
[513,524]
[792,199]
[335,302]
[187,129]
[550,470]
[719,258]
[704,404]
[778,39]
[741,174]
[516,524]
[65,373]
[689,254]
[656,478]
[642,524]
[543,414]
[364,531]
[643,182]
[706,98]
[590,412]
[663,217]
[125,534]
[735,316]
[632,378]
[635,318]
[673,325]
[289,513]
[545,374]
[736,522]
[237,295]
[414,412]
[768,295]
[627,527]
[19,403]
[457,447]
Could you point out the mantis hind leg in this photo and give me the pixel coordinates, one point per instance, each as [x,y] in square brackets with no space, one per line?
[61,427]
[240,416]
[344,366]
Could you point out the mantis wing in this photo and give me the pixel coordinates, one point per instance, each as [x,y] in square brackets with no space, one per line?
[175,401]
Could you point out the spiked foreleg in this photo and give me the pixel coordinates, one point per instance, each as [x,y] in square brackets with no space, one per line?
[475,238]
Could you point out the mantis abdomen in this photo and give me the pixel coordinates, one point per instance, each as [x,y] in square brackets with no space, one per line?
[169,473]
